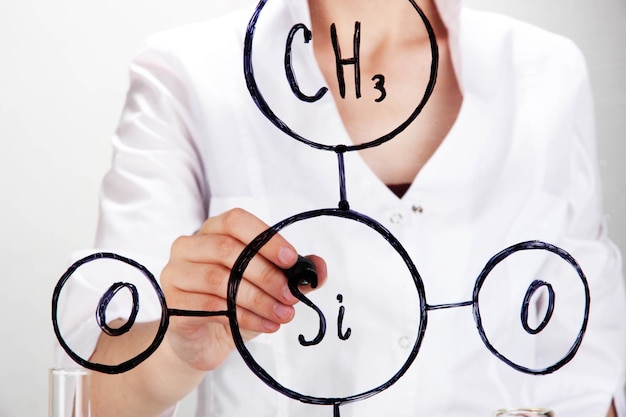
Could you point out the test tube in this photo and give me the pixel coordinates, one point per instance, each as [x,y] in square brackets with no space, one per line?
[68,394]
[524,412]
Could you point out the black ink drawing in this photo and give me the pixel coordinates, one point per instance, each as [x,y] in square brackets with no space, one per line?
[304,273]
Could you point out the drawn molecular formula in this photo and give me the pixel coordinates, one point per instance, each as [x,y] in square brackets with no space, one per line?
[300,35]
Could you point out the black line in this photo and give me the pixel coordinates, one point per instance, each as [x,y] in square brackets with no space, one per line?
[450,305]
[196,313]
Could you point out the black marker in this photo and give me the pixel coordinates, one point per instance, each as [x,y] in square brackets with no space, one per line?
[302,273]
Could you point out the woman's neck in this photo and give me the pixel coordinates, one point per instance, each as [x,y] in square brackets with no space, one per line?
[394,55]
[386,21]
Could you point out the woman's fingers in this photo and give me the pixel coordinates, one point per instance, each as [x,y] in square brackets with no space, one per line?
[244,227]
[211,281]
[215,255]
[198,274]
[247,319]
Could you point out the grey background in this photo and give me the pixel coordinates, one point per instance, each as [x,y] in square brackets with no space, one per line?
[63,77]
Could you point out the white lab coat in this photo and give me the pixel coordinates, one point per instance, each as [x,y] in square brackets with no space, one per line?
[519,164]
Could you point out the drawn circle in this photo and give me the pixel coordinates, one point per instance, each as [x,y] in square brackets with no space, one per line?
[535,285]
[104,304]
[253,248]
[101,314]
[265,108]
[532,289]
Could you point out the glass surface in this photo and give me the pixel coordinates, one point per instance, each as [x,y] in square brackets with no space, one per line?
[524,412]
[68,393]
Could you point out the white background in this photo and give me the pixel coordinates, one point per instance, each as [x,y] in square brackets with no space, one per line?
[63,77]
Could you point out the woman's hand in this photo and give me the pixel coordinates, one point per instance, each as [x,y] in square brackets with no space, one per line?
[196,278]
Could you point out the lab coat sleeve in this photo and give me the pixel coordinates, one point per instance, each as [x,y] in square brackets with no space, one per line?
[155,189]
[596,373]
[154,192]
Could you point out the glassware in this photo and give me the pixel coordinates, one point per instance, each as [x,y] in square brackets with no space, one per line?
[68,394]
[524,412]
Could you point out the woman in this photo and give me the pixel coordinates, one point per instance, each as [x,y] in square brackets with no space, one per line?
[501,153]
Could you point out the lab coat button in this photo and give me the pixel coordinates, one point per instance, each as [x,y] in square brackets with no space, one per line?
[396,218]
[404,342]
[418,209]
